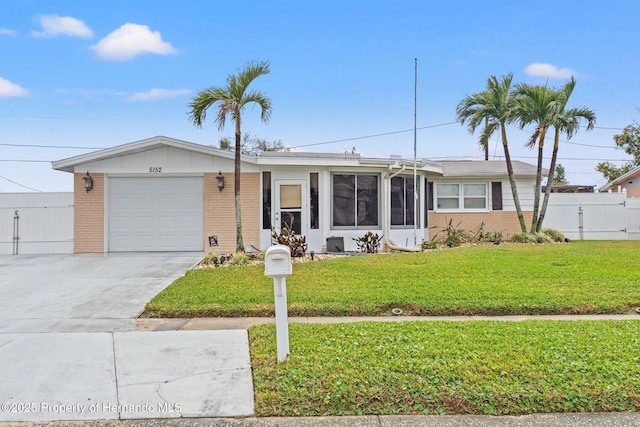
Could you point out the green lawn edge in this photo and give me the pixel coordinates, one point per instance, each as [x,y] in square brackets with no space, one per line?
[591,277]
[426,368]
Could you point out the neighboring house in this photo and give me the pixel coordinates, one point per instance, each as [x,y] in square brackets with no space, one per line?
[630,181]
[162,194]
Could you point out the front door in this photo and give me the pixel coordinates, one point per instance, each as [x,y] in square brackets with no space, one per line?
[291,205]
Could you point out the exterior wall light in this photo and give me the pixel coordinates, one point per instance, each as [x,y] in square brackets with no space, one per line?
[220,179]
[88,182]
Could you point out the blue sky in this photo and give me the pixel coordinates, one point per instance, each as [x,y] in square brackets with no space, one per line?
[104,73]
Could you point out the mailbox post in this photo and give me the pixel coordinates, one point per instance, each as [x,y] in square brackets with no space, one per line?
[277,265]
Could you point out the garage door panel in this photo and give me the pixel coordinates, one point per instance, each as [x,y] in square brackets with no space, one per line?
[155,214]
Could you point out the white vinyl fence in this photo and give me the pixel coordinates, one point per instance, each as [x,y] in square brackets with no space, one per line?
[594,216]
[36,223]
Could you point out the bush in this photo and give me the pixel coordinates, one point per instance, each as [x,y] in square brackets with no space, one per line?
[531,238]
[453,235]
[239,259]
[215,259]
[287,237]
[428,244]
[487,235]
[369,243]
[554,235]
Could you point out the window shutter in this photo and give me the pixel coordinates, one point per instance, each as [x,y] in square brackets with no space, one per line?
[429,196]
[496,196]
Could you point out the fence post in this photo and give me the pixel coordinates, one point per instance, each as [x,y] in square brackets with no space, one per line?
[580,222]
[16,234]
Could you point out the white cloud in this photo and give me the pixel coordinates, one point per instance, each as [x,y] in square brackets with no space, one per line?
[131,40]
[8,89]
[54,25]
[156,94]
[549,70]
[7,32]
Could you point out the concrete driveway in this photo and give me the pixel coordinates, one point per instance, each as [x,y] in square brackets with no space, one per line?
[93,292]
[69,349]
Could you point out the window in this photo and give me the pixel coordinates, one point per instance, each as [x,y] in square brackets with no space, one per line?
[448,196]
[314,207]
[266,200]
[355,200]
[468,196]
[475,196]
[290,206]
[403,200]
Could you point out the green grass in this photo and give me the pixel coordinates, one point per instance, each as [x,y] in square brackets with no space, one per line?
[493,368]
[574,278]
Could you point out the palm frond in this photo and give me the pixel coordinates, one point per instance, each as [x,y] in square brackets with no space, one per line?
[262,100]
[231,98]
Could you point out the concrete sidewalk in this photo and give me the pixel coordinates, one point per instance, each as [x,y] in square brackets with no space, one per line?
[125,375]
[623,419]
[230,323]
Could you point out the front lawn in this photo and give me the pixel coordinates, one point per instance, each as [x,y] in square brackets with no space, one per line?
[493,368]
[574,278]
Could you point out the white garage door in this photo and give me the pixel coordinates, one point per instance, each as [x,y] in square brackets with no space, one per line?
[155,214]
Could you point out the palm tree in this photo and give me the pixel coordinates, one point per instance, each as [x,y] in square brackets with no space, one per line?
[535,104]
[231,100]
[494,108]
[566,122]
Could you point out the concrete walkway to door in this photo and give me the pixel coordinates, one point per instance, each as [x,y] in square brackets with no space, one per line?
[69,349]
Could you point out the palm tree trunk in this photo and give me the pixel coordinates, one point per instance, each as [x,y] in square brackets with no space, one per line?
[536,195]
[552,169]
[512,181]
[236,189]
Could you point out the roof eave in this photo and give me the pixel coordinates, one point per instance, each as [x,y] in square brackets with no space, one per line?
[69,164]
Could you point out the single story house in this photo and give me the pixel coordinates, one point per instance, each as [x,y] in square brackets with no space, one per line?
[630,182]
[164,194]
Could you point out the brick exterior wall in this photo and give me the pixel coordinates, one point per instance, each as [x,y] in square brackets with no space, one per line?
[505,222]
[88,215]
[633,192]
[219,211]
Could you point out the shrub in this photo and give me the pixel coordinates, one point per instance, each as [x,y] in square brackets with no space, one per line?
[453,235]
[239,259]
[208,259]
[531,238]
[369,243]
[487,235]
[215,259]
[554,235]
[428,244]
[287,237]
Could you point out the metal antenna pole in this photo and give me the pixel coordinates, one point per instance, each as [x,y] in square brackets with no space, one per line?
[415,153]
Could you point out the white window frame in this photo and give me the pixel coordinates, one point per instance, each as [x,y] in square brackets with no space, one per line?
[461,197]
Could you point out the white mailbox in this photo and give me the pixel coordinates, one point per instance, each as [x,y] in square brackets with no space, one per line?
[277,265]
[277,261]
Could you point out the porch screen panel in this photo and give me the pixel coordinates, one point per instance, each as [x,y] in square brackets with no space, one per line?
[344,201]
[402,201]
[397,200]
[410,201]
[367,200]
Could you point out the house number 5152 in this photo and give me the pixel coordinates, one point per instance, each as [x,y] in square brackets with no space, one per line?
[155,169]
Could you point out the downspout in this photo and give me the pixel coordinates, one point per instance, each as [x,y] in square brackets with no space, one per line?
[387,223]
